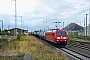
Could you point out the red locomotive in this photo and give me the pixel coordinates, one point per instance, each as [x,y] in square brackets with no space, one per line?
[57,36]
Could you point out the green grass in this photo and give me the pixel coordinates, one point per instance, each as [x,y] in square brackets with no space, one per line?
[3,40]
[79,37]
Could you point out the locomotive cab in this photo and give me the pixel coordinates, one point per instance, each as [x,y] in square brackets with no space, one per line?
[61,37]
[57,37]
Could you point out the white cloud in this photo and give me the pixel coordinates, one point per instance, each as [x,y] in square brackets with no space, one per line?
[34,22]
[34,12]
[73,1]
[6,7]
[50,10]
[26,6]
[12,21]
[23,6]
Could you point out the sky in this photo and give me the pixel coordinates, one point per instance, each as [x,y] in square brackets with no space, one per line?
[41,14]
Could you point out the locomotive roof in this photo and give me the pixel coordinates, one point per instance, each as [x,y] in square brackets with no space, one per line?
[55,30]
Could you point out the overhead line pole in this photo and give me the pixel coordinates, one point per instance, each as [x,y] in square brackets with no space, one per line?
[8,27]
[21,23]
[15,19]
[15,30]
[86,26]
[63,24]
[2,24]
[89,20]
[68,27]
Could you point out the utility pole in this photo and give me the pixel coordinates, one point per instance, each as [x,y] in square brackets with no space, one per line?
[15,30]
[89,21]
[8,27]
[68,27]
[84,22]
[44,24]
[86,26]
[63,24]
[2,24]
[21,23]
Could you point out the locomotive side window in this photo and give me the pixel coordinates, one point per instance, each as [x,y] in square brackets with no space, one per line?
[61,33]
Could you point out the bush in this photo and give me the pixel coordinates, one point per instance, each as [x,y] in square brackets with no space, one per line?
[3,40]
[20,37]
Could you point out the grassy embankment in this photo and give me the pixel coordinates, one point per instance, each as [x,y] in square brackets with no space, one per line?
[76,37]
[81,39]
[30,45]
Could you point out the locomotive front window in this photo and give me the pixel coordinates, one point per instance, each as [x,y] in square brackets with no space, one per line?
[61,33]
[58,33]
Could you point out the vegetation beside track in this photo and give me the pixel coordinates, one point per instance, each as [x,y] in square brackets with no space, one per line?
[79,39]
[76,37]
[3,40]
[30,45]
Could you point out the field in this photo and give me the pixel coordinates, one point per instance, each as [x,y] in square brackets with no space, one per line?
[30,45]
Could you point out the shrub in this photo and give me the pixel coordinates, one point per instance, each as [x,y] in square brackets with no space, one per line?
[3,40]
[20,37]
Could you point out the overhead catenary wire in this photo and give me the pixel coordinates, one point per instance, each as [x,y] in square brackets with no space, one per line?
[70,5]
[76,7]
[76,14]
[68,12]
[83,4]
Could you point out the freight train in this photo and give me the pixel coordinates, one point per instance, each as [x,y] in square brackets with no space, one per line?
[58,37]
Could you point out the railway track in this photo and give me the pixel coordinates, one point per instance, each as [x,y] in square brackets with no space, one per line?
[73,54]
[76,55]
[79,51]
[83,47]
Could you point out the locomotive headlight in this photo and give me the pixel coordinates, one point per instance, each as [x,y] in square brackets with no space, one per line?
[65,40]
[58,37]
[57,40]
[64,37]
